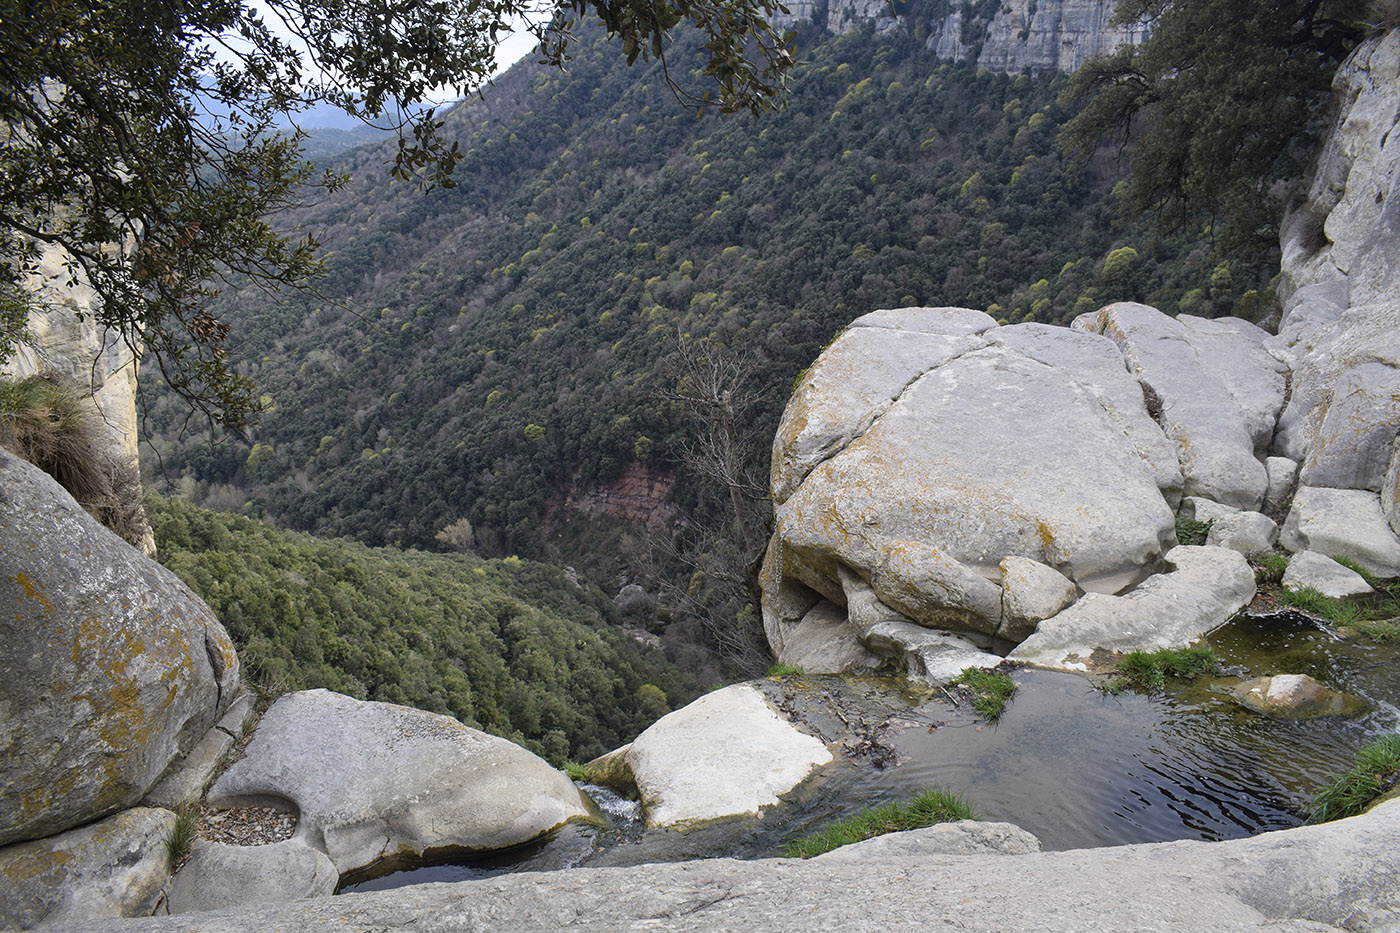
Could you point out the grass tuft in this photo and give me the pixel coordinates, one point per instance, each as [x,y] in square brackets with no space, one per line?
[1190,531]
[575,771]
[1376,770]
[1271,567]
[929,807]
[1147,671]
[785,670]
[990,690]
[180,840]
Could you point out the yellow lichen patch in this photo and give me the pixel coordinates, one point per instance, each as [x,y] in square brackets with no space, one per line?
[35,864]
[31,591]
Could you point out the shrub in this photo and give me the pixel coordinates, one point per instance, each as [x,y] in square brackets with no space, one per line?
[935,805]
[1190,531]
[1376,770]
[48,421]
[1271,567]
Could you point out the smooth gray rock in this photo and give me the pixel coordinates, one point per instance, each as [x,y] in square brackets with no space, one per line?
[373,780]
[726,754]
[1313,878]
[1220,388]
[855,380]
[110,668]
[1250,533]
[1283,478]
[635,603]
[1030,592]
[116,867]
[1343,523]
[825,643]
[923,582]
[964,837]
[1169,610]
[1097,365]
[1200,509]
[1322,573]
[219,876]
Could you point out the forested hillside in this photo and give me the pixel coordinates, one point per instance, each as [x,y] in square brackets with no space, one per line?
[488,351]
[509,646]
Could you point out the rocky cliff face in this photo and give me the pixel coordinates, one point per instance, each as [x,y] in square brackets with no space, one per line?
[1010,36]
[68,342]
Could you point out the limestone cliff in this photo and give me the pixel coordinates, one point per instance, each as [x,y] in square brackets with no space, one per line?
[1009,36]
[67,341]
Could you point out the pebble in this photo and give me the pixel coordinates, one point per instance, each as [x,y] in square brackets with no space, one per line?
[246,826]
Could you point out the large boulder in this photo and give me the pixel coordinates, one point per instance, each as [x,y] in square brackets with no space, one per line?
[1025,441]
[115,867]
[726,754]
[374,781]
[1171,610]
[1220,389]
[110,669]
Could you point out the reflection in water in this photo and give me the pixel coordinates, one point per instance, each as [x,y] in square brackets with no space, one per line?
[1074,766]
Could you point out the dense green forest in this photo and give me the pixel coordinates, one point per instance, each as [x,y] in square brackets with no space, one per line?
[509,646]
[479,353]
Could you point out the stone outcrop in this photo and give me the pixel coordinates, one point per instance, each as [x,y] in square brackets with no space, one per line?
[1336,876]
[115,867]
[726,754]
[934,474]
[373,780]
[1341,250]
[111,670]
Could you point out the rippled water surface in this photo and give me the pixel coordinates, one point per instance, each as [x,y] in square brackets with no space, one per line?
[1068,762]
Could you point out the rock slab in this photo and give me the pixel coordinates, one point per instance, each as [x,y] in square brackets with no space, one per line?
[1171,610]
[111,669]
[963,837]
[1307,880]
[726,754]
[1343,523]
[116,867]
[375,780]
[1322,573]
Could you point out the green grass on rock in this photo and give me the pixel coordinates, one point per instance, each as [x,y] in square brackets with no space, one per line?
[1376,771]
[990,691]
[935,805]
[1147,671]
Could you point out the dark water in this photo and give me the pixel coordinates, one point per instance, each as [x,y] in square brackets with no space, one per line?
[1067,762]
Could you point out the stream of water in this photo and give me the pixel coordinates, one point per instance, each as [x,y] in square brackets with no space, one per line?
[1073,765]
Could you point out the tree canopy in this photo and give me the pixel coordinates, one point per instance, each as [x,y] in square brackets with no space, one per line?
[142,146]
[1217,107]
